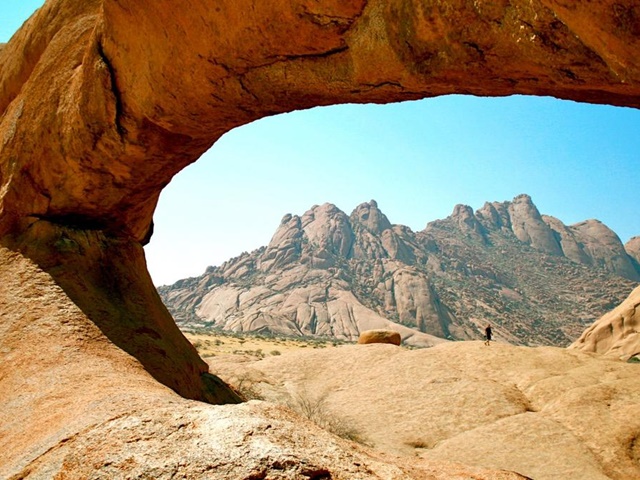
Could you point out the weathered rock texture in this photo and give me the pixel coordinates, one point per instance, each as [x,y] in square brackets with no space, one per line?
[617,333]
[544,412]
[327,274]
[633,249]
[103,101]
[96,120]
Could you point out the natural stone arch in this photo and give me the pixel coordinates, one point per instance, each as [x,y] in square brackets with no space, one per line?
[103,101]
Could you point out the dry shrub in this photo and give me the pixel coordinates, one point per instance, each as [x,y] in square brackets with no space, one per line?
[315,409]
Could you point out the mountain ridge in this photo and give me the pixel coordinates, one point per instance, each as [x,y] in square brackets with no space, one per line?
[331,274]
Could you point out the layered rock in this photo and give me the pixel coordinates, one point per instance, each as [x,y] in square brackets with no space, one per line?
[329,274]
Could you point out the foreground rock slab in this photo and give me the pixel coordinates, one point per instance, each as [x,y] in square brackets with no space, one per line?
[547,413]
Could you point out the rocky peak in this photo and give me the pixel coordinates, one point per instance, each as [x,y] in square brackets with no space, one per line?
[632,247]
[326,273]
[464,217]
[529,227]
[285,245]
[570,242]
[605,249]
[369,216]
[495,216]
[328,228]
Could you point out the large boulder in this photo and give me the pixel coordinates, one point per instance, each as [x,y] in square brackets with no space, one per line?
[380,336]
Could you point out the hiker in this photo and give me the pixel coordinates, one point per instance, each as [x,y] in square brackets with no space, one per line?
[487,332]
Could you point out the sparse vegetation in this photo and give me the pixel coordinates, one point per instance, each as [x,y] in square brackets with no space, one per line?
[246,387]
[212,342]
[315,408]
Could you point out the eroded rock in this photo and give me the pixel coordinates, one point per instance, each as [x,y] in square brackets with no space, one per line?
[94,122]
[616,333]
[506,407]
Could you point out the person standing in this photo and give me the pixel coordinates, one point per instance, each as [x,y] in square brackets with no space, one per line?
[487,333]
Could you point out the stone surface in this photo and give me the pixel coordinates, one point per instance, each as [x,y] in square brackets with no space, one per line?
[94,122]
[632,247]
[546,413]
[380,336]
[76,406]
[617,333]
[528,226]
[328,274]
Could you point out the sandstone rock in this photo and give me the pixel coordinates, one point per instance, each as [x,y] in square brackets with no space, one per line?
[94,122]
[380,336]
[545,412]
[617,333]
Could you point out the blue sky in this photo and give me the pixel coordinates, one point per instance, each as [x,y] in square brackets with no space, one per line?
[416,159]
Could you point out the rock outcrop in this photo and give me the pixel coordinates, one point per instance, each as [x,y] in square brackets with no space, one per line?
[529,227]
[617,333]
[95,121]
[332,275]
[632,247]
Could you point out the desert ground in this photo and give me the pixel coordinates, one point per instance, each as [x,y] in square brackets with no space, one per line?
[545,413]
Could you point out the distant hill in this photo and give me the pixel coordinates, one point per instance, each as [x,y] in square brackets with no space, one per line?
[326,273]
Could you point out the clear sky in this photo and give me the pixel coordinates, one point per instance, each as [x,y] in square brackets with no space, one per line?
[416,159]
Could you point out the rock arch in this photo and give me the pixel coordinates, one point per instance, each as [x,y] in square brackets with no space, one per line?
[104,101]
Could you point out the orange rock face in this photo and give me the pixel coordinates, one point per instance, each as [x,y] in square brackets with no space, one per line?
[380,336]
[102,102]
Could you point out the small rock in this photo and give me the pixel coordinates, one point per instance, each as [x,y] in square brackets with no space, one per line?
[380,336]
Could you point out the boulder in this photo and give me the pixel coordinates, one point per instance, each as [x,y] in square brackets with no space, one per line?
[380,336]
